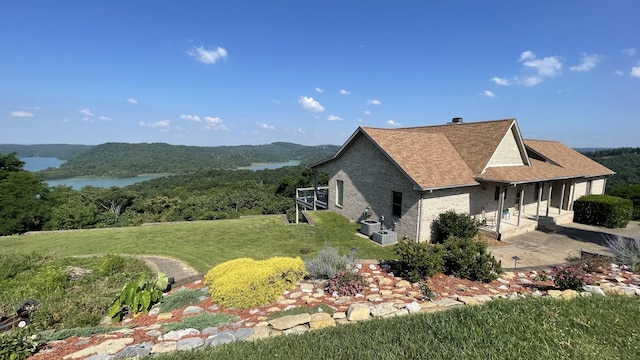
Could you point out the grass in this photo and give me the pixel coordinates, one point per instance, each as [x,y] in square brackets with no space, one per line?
[180,299]
[301,310]
[583,328]
[207,243]
[200,321]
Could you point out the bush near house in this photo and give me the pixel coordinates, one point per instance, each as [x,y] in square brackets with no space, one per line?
[247,282]
[603,210]
[451,223]
[419,261]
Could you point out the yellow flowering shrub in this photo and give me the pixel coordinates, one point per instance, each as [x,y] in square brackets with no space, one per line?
[246,282]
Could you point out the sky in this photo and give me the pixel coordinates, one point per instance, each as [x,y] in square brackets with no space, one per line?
[211,73]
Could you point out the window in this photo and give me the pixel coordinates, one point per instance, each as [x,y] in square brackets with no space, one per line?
[396,208]
[340,193]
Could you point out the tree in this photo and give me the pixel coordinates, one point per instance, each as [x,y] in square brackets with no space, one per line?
[22,197]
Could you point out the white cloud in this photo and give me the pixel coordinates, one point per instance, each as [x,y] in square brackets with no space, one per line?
[300,131]
[308,103]
[21,114]
[360,120]
[319,90]
[157,124]
[334,118]
[367,112]
[374,102]
[86,112]
[529,80]
[132,101]
[635,71]
[277,102]
[90,121]
[546,67]
[488,93]
[630,52]
[618,72]
[266,126]
[214,123]
[587,62]
[393,123]
[501,81]
[194,118]
[345,92]
[207,56]
[105,118]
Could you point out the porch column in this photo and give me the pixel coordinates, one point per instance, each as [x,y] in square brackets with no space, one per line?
[297,209]
[500,207]
[573,194]
[521,205]
[540,187]
[561,198]
[549,199]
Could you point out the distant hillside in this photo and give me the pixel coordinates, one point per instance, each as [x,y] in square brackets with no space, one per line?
[60,151]
[125,160]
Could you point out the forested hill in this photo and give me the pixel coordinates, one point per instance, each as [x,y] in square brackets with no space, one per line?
[624,161]
[125,160]
[60,151]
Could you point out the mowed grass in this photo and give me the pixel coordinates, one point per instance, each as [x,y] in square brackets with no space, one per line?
[205,244]
[583,328]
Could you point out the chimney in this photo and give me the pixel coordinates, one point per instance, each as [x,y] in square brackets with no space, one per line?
[456,120]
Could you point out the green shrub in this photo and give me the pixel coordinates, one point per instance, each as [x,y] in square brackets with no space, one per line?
[180,299]
[200,321]
[327,263]
[469,259]
[246,282]
[111,264]
[451,223]
[17,345]
[347,283]
[603,210]
[569,278]
[419,260]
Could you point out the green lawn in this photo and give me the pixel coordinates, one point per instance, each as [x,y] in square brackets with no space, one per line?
[207,243]
[583,328]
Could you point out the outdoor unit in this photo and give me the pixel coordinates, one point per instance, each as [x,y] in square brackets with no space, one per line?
[368,227]
[384,237]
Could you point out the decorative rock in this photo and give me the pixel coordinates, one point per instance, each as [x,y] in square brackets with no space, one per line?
[260,332]
[508,275]
[468,300]
[98,357]
[374,298]
[503,287]
[135,351]
[224,337]
[164,316]
[295,295]
[403,284]
[189,310]
[446,302]
[179,334]
[210,331]
[109,347]
[243,333]
[554,294]
[321,320]
[482,298]
[155,311]
[386,292]
[296,330]
[413,307]
[569,294]
[358,312]
[595,290]
[189,344]
[164,347]
[154,333]
[372,267]
[383,310]
[289,321]
[339,315]
[524,281]
[383,281]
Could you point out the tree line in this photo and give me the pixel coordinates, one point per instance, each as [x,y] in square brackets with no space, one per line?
[28,204]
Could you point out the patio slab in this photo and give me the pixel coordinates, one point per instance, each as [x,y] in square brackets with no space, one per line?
[537,249]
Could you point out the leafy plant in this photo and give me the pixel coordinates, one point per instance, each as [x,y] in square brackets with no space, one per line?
[200,321]
[419,260]
[470,260]
[327,263]
[569,278]
[540,277]
[451,223]
[625,250]
[302,310]
[17,345]
[427,292]
[138,297]
[180,299]
[347,283]
[590,263]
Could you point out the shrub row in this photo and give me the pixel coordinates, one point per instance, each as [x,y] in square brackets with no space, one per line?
[603,210]
[247,282]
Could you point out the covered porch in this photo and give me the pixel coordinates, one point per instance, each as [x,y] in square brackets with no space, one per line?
[516,223]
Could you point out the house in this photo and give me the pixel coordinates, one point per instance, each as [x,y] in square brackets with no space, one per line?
[406,177]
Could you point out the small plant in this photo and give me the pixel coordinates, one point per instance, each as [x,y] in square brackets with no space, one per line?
[470,260]
[590,263]
[17,345]
[569,278]
[327,263]
[419,261]
[427,292]
[347,283]
[540,277]
[180,299]
[626,251]
[302,310]
[200,321]
[138,297]
[451,223]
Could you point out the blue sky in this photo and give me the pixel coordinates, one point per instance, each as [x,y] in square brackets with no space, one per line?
[212,73]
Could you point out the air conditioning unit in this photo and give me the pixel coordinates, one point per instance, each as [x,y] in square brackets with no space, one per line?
[368,227]
[384,237]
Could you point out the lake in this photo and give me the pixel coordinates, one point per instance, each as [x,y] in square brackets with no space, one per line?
[77,183]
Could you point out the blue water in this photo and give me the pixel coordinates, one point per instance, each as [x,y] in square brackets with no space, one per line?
[40,163]
[263,166]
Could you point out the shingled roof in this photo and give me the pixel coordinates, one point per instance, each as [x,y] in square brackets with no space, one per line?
[454,155]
